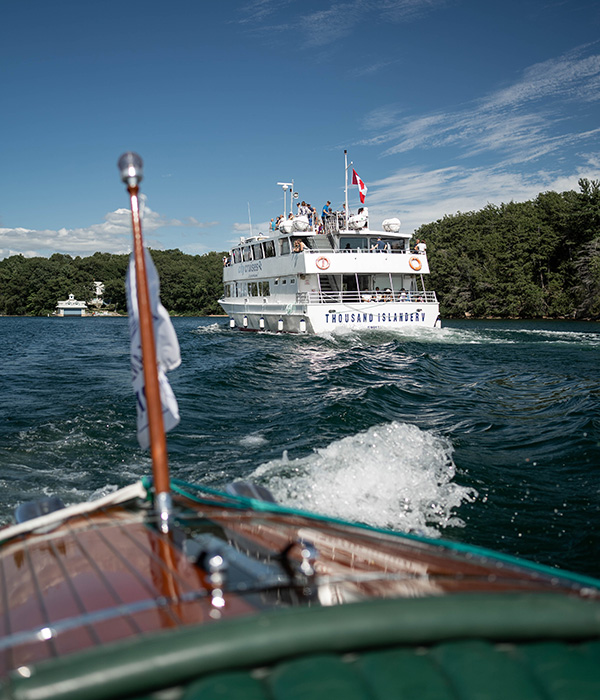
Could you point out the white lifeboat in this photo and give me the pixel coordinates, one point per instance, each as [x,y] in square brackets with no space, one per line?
[358,221]
[301,223]
[286,226]
[391,225]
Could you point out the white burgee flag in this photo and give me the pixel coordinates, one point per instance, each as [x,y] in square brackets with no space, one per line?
[167,351]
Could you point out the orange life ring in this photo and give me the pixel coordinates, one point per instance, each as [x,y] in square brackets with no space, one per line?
[415,263]
[322,263]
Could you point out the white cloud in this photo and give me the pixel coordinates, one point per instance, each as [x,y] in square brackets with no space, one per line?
[326,26]
[535,116]
[113,235]
[422,196]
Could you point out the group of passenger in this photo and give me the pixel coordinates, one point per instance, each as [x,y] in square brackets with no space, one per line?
[389,295]
[316,222]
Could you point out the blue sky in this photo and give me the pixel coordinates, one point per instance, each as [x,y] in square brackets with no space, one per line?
[443,105]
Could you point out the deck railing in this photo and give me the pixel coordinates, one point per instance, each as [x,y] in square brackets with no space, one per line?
[365,296]
[316,248]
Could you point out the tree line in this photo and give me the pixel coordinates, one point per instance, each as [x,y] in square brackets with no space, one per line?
[189,284]
[535,259]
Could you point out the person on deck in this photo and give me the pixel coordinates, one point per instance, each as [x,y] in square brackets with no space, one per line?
[379,247]
[421,247]
[326,211]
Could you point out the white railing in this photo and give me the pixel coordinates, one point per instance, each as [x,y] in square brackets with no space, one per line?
[316,249]
[365,296]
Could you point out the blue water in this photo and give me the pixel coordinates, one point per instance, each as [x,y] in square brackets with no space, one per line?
[485,432]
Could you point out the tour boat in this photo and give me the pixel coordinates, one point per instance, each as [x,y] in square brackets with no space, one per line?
[318,276]
[171,590]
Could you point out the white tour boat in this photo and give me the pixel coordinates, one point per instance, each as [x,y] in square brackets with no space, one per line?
[321,276]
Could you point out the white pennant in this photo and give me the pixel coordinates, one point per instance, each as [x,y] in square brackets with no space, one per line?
[167,351]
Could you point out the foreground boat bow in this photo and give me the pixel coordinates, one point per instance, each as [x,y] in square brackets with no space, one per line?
[102,604]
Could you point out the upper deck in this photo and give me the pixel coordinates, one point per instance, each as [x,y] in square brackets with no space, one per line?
[336,251]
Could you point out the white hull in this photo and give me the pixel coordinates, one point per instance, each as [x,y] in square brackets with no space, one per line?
[321,319]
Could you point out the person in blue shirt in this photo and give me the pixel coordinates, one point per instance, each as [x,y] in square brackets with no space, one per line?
[326,211]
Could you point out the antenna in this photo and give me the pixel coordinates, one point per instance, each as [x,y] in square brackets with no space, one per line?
[286,186]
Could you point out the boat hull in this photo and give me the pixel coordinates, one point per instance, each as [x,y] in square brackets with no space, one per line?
[321,319]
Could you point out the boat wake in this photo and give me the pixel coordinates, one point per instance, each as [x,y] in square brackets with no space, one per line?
[391,476]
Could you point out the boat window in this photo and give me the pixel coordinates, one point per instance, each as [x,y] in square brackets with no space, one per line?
[292,281]
[352,243]
[263,289]
[284,246]
[283,281]
[252,289]
[247,253]
[257,250]
[237,255]
[269,249]
[373,243]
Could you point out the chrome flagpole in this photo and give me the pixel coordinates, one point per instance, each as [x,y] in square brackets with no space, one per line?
[131,167]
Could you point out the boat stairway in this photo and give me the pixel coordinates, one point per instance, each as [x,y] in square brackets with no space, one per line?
[327,284]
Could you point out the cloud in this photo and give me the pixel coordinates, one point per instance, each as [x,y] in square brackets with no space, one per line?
[113,235]
[422,196]
[532,118]
[326,26]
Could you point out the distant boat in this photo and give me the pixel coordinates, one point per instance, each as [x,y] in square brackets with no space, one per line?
[317,277]
[71,307]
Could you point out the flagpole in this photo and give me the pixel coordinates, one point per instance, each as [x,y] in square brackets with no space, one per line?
[346,185]
[130,165]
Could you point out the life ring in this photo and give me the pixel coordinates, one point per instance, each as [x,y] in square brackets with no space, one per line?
[415,263]
[322,263]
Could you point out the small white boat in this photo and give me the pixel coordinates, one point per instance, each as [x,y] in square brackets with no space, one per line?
[318,277]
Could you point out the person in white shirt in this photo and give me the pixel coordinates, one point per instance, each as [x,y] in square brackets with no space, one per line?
[420,247]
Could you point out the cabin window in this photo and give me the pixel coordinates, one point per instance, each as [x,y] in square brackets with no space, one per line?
[269,249]
[257,250]
[352,243]
[263,289]
[284,246]
[292,281]
[247,253]
[237,255]
[374,243]
[252,289]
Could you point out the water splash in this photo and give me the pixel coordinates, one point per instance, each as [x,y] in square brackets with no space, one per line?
[393,476]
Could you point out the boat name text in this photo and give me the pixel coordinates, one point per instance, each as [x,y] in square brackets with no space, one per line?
[337,319]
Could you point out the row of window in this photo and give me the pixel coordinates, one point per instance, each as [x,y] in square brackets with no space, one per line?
[260,250]
[256,289]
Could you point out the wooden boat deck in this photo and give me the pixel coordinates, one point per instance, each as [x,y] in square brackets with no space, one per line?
[112,575]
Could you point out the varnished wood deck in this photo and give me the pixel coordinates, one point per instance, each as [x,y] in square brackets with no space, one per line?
[111,575]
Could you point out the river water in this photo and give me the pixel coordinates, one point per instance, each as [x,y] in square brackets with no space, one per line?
[485,432]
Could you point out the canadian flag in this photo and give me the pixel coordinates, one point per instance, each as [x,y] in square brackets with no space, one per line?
[362,188]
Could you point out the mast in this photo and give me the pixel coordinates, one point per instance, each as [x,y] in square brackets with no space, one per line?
[131,167]
[346,185]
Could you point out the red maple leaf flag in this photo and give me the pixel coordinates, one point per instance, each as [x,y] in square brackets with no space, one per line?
[362,188]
